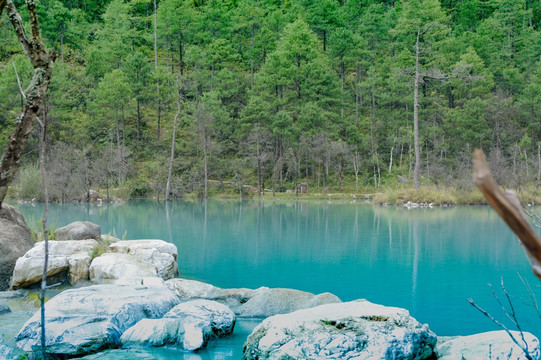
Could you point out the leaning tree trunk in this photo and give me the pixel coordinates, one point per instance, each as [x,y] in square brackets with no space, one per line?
[172,158]
[42,61]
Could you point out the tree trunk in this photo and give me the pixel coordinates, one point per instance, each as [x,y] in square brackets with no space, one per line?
[416,116]
[205,163]
[42,62]
[172,158]
[42,149]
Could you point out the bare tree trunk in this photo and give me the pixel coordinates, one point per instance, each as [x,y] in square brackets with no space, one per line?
[156,69]
[42,148]
[172,158]
[42,61]
[416,116]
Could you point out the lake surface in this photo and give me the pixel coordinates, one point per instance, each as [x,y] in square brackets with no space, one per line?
[428,261]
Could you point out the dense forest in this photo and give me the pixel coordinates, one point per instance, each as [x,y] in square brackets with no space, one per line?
[271,94]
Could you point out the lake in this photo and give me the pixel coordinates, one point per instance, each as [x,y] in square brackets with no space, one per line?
[428,261]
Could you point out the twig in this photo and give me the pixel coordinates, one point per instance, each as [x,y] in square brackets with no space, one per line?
[532,296]
[18,80]
[495,321]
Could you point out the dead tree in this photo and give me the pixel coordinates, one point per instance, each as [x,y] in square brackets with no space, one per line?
[42,60]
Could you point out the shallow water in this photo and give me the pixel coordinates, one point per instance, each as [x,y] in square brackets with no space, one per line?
[428,261]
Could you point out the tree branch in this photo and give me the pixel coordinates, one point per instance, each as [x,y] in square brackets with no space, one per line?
[508,210]
[34,23]
[17,23]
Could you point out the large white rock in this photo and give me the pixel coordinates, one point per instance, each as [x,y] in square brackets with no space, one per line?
[161,254]
[15,241]
[120,268]
[85,320]
[72,255]
[489,345]
[248,303]
[78,230]
[352,330]
[189,325]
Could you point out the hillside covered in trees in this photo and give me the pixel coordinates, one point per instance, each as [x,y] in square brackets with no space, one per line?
[276,93]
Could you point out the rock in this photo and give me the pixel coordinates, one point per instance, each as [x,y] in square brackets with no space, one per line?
[248,303]
[402,179]
[352,330]
[489,345]
[86,320]
[191,289]
[189,325]
[120,268]
[161,254]
[15,241]
[73,256]
[267,302]
[78,230]
[4,309]
[5,351]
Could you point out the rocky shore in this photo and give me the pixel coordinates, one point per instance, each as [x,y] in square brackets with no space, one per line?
[127,295]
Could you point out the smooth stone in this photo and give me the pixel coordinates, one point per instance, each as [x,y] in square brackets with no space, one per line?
[89,319]
[249,303]
[78,230]
[120,268]
[188,325]
[4,309]
[352,330]
[488,345]
[15,241]
[71,255]
[159,253]
[267,302]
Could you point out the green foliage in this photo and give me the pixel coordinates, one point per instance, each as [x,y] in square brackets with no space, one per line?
[326,86]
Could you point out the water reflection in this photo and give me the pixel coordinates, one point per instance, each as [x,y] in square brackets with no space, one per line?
[426,260]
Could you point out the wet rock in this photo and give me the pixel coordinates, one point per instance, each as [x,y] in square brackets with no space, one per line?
[353,330]
[4,309]
[488,345]
[15,241]
[73,256]
[78,230]
[189,325]
[86,320]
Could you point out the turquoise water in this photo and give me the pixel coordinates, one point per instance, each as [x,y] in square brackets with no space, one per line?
[428,261]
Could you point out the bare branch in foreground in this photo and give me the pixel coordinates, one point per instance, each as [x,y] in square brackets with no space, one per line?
[508,209]
[524,347]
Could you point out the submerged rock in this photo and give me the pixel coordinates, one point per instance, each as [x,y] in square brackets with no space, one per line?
[489,345]
[189,325]
[120,268]
[73,256]
[78,230]
[353,330]
[15,241]
[4,309]
[86,320]
[249,303]
[159,253]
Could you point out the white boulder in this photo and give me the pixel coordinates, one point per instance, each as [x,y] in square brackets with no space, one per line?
[249,303]
[161,254]
[189,325]
[72,255]
[120,268]
[352,330]
[78,230]
[86,320]
[488,345]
